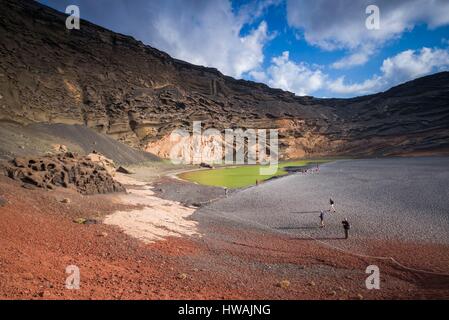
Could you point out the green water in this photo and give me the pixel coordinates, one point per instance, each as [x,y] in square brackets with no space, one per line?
[240,176]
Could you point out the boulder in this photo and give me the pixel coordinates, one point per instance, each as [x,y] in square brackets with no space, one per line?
[59,148]
[103,161]
[284,284]
[205,165]
[123,170]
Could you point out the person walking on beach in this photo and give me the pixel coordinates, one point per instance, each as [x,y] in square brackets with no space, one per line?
[322,219]
[332,203]
[346,227]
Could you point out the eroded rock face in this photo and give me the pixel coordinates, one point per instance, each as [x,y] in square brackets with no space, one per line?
[66,170]
[139,95]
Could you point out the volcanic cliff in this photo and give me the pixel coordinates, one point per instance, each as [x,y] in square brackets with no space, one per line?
[137,94]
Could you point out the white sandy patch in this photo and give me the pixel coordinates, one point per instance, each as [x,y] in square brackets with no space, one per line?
[158,219]
[126,179]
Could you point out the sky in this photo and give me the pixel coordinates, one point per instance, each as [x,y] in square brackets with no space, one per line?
[322,48]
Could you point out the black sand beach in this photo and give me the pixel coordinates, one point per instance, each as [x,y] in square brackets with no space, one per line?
[402,199]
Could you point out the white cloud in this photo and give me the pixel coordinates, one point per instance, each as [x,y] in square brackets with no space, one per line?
[411,64]
[288,75]
[340,24]
[254,9]
[303,79]
[354,59]
[368,86]
[259,76]
[402,67]
[209,34]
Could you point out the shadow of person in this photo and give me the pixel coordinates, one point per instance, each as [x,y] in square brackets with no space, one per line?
[298,228]
[305,212]
[318,238]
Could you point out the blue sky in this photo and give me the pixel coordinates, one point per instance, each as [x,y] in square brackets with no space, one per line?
[321,48]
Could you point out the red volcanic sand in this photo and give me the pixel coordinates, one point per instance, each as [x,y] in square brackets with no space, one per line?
[38,240]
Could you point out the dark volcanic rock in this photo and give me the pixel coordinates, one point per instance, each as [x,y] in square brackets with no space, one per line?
[138,95]
[123,170]
[64,170]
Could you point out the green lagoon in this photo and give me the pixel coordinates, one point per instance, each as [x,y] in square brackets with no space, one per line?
[240,176]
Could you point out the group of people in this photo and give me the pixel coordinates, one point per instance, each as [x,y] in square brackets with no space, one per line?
[345,222]
[311,170]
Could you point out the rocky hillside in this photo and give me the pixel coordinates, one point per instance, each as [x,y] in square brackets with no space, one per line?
[138,95]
